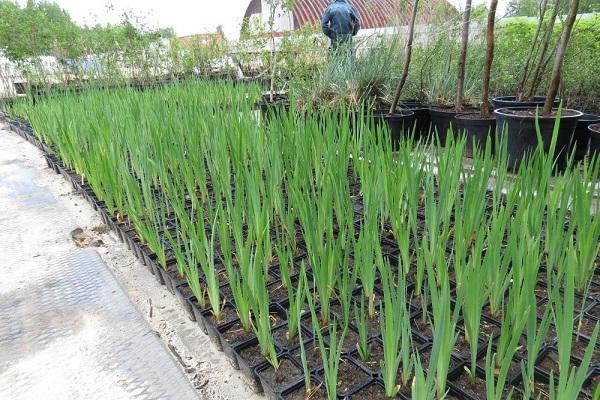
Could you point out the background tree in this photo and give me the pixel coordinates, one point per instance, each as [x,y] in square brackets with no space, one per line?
[39,28]
[530,8]
[560,57]
[460,94]
[275,7]
[489,59]
[408,56]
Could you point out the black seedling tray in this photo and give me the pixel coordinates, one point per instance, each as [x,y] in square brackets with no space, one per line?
[243,353]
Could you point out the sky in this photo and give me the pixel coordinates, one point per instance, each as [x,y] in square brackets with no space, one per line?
[186,17]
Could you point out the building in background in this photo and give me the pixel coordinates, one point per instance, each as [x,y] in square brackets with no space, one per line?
[374,14]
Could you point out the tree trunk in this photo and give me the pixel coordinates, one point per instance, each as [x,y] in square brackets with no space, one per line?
[544,49]
[272,85]
[409,43]
[560,57]
[543,7]
[272,27]
[538,79]
[489,59]
[463,57]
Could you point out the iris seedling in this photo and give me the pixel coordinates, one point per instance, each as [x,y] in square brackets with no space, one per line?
[471,293]
[260,308]
[330,355]
[362,324]
[570,379]
[395,332]
[444,329]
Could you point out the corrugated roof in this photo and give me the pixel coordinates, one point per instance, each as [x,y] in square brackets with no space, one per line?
[373,13]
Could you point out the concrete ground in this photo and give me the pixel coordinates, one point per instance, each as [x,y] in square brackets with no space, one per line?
[35,239]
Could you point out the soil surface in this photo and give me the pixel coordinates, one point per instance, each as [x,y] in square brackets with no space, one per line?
[349,376]
[317,392]
[312,354]
[476,117]
[371,392]
[375,356]
[237,334]
[451,109]
[252,355]
[475,388]
[286,374]
[533,112]
[228,315]
[280,335]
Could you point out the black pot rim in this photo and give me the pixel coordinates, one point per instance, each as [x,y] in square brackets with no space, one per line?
[398,114]
[439,111]
[491,119]
[593,118]
[594,128]
[512,99]
[503,113]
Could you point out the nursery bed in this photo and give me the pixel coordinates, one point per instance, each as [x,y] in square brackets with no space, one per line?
[358,379]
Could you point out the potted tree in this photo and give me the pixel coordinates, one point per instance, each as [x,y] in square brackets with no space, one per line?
[531,76]
[518,125]
[477,127]
[442,117]
[272,97]
[401,120]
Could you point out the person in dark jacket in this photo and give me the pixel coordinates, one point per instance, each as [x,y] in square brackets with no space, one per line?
[340,22]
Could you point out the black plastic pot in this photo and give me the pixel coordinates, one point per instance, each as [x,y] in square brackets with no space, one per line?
[477,131]
[422,122]
[511,101]
[229,346]
[169,283]
[581,139]
[519,132]
[198,314]
[154,268]
[183,300]
[272,390]
[441,121]
[300,387]
[267,107]
[400,124]
[212,330]
[594,139]
[247,367]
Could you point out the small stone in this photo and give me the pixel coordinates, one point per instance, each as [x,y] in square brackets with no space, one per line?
[97,243]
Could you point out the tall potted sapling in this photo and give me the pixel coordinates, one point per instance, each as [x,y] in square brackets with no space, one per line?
[401,120]
[518,125]
[478,127]
[442,117]
[275,6]
[533,71]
